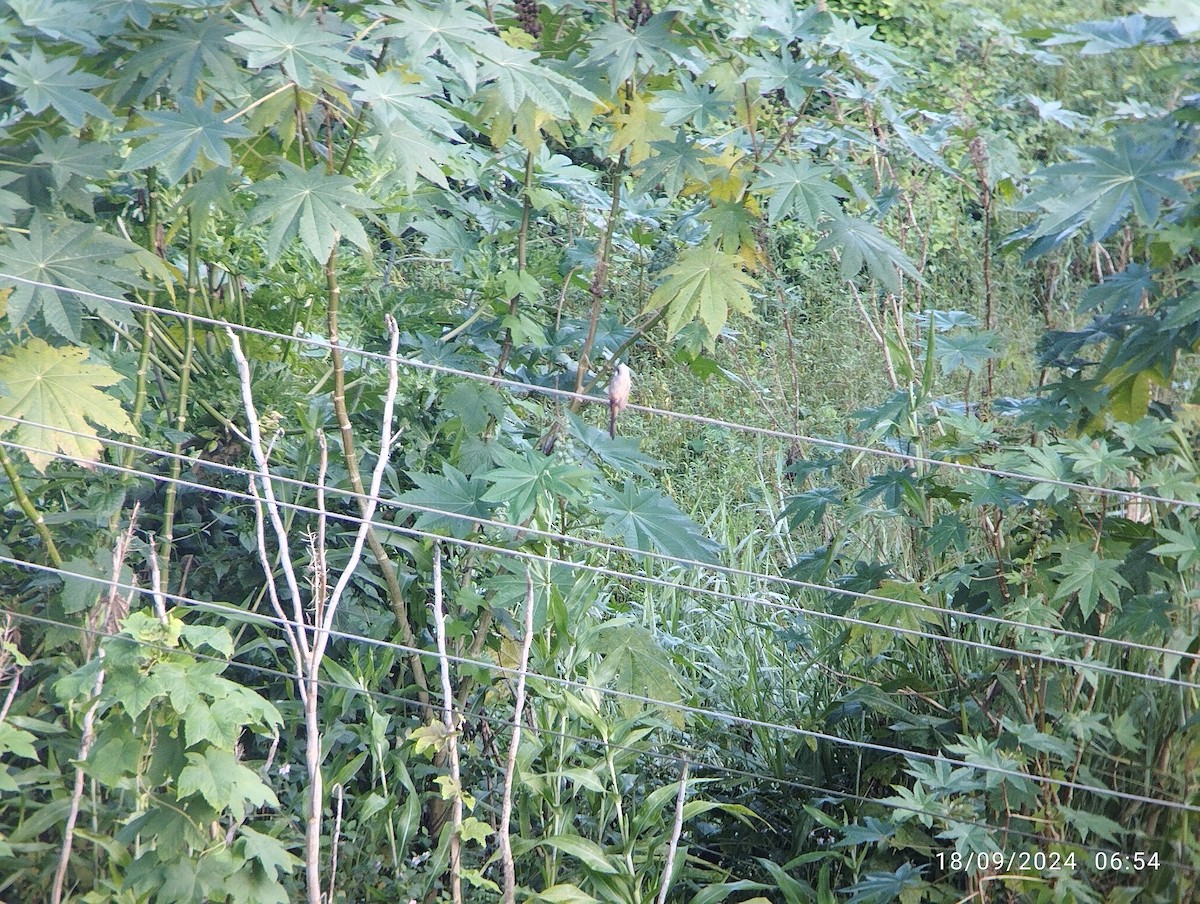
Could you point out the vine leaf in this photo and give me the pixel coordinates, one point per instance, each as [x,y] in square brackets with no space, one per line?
[178,138]
[46,83]
[706,283]
[314,206]
[68,256]
[299,45]
[50,391]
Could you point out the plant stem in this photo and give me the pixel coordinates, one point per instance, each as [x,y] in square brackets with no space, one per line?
[185,380]
[30,510]
[346,430]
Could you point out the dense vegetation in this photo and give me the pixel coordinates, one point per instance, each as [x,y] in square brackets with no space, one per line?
[322,578]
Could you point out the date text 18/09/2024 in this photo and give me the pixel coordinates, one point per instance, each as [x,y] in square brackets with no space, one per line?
[1048,861]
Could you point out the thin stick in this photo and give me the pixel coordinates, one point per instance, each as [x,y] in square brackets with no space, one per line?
[676,831]
[448,719]
[85,746]
[510,770]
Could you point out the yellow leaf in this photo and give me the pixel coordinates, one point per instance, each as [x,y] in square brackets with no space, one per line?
[636,129]
[51,398]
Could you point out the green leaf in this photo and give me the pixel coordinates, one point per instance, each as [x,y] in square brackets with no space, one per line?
[622,454]
[621,50]
[531,483]
[1181,545]
[795,76]
[182,54]
[398,99]
[801,189]
[301,46]
[461,498]
[862,243]
[271,853]
[74,256]
[178,138]
[51,391]
[453,31]
[10,203]
[810,505]
[16,742]
[313,206]
[1088,824]
[516,76]
[588,852]
[565,893]
[881,887]
[1092,578]
[636,664]
[731,228]
[649,520]
[693,102]
[223,782]
[671,164]
[969,349]
[705,283]
[46,83]
[1106,184]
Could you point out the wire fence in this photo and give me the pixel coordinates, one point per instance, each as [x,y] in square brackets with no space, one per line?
[678,575]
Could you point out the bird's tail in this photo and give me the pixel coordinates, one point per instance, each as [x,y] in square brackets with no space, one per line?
[612,420]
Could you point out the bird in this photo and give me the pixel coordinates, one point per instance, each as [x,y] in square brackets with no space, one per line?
[618,395]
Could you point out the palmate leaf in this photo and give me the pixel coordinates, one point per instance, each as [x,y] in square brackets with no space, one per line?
[647,519]
[1090,578]
[71,255]
[53,390]
[10,203]
[795,77]
[619,49]
[636,664]
[530,483]
[178,138]
[397,99]
[70,158]
[183,54]
[456,494]
[731,226]
[672,164]
[801,189]
[304,48]
[1105,185]
[43,83]
[453,31]
[693,102]
[517,76]
[61,20]
[316,207]
[862,243]
[636,128]
[704,283]
[223,782]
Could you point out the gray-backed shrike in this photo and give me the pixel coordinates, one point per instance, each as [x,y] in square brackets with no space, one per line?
[618,395]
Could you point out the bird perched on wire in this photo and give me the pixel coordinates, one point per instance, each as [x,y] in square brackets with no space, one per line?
[618,395]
